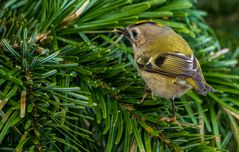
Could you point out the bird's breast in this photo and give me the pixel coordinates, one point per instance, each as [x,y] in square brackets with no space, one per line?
[164,86]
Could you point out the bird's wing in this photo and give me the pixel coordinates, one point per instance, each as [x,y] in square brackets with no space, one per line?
[177,65]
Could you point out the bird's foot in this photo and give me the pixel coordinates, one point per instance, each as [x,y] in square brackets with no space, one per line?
[168,119]
[143,98]
[147,93]
[172,119]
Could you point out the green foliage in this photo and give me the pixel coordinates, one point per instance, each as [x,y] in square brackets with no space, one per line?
[67,80]
[223,17]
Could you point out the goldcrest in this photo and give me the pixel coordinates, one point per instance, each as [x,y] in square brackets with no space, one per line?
[164,60]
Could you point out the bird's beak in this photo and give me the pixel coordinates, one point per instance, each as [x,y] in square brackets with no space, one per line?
[124,31]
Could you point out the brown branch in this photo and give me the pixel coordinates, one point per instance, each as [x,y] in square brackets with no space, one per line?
[36,124]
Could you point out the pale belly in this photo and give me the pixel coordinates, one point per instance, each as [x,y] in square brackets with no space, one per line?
[165,86]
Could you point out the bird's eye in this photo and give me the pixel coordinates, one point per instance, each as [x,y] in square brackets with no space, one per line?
[135,34]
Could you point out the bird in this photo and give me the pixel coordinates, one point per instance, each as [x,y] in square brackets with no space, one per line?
[165,61]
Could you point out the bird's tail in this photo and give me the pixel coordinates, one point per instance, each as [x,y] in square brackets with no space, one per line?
[200,86]
[198,82]
[207,88]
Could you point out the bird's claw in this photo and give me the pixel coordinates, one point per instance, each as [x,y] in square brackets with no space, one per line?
[172,119]
[168,119]
[146,94]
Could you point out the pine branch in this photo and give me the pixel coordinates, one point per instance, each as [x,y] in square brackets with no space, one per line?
[67,80]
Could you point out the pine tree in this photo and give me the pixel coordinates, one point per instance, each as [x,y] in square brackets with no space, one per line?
[68,81]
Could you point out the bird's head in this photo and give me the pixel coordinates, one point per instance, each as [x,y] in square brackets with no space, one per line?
[140,32]
[144,35]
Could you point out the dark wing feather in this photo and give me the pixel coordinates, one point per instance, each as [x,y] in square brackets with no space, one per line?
[178,65]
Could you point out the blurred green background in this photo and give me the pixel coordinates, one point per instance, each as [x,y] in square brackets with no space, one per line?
[223,17]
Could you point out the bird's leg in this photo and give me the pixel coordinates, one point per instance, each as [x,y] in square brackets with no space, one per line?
[173,118]
[147,92]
